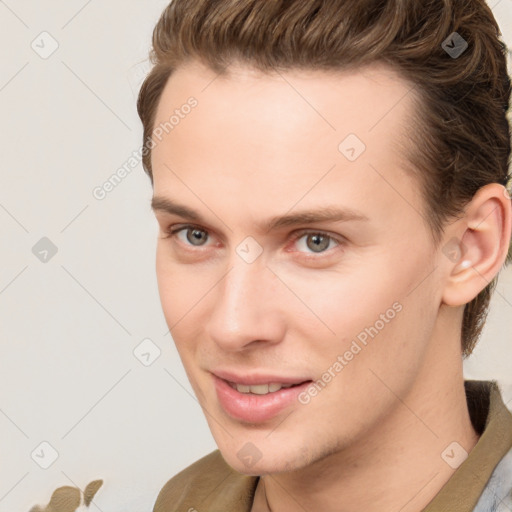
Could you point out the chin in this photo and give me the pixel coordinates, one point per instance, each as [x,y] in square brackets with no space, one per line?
[252,461]
[260,468]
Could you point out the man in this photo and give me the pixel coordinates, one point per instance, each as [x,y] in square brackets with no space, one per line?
[330,184]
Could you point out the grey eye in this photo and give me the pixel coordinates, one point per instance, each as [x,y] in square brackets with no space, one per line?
[196,236]
[317,242]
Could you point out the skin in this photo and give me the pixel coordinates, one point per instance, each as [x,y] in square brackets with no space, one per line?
[259,146]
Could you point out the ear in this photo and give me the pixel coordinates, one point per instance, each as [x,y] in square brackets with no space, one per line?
[476,248]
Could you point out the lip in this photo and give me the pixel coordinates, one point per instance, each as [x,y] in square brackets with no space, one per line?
[258,378]
[252,408]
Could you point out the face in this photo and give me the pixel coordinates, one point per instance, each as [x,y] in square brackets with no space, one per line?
[290,254]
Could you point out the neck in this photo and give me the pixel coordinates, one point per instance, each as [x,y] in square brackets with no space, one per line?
[397,465]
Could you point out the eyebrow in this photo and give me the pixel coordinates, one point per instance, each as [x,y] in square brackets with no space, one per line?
[326,214]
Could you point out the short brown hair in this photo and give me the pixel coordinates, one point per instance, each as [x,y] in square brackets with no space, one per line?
[460,134]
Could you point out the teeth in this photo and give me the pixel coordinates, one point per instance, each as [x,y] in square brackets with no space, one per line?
[260,389]
[274,387]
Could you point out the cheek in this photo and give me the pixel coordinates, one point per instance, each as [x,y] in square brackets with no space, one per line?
[347,302]
[167,288]
[179,286]
[393,336]
[182,291]
[378,307]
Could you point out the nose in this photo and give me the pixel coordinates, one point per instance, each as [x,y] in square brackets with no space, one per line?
[246,309]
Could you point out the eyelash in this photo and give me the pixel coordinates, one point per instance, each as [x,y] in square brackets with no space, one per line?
[173,232]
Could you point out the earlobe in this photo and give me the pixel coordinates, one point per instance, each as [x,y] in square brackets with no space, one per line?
[483,240]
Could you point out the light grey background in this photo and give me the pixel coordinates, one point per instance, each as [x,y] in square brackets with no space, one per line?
[69,326]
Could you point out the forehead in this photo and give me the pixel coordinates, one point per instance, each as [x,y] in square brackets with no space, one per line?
[370,93]
[299,134]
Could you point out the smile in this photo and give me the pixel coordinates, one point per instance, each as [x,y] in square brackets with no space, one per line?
[260,389]
[260,401]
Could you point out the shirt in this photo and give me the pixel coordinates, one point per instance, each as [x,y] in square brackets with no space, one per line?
[482,483]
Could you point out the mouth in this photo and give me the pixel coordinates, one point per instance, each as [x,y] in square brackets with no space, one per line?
[257,399]
[262,389]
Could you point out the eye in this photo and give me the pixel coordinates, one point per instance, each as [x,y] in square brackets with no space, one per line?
[315,242]
[307,242]
[189,235]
